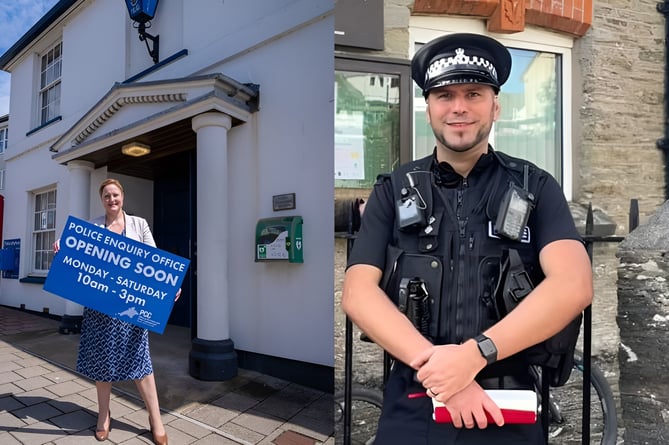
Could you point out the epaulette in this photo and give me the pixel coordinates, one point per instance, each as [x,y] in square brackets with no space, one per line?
[517,169]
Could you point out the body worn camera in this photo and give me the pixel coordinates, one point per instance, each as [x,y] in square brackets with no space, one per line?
[514,211]
[409,211]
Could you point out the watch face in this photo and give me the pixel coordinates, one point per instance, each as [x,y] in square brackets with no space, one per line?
[487,348]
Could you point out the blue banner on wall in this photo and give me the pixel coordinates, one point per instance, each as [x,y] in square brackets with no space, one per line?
[118,276]
[9,258]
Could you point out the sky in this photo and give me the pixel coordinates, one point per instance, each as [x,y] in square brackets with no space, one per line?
[16,17]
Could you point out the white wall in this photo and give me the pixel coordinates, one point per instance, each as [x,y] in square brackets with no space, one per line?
[34,171]
[280,308]
[92,65]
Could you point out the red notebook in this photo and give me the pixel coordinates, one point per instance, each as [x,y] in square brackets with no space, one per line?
[517,405]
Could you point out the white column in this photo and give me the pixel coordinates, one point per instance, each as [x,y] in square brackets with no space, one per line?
[212,225]
[213,356]
[80,197]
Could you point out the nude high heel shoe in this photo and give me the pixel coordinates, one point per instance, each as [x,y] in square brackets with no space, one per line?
[158,440]
[103,434]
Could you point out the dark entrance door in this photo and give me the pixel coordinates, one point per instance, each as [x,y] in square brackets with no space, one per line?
[174,225]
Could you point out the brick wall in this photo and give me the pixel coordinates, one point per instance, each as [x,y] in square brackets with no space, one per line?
[506,16]
[571,16]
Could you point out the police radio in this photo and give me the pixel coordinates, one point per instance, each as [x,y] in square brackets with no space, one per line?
[411,206]
[514,210]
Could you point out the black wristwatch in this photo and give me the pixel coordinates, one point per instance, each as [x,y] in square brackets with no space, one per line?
[487,348]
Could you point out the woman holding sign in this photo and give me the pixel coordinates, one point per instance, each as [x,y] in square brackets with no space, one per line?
[111,350]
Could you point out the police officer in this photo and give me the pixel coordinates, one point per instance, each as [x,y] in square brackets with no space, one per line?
[442,221]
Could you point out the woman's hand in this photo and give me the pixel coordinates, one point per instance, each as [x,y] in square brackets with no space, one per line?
[178,295]
[56,246]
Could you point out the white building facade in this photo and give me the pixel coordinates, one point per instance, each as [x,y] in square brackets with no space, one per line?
[4,141]
[236,109]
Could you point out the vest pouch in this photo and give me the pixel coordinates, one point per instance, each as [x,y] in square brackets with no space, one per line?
[402,265]
[514,284]
[555,354]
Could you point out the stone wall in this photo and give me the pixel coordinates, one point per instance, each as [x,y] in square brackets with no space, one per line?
[618,115]
[643,318]
[618,109]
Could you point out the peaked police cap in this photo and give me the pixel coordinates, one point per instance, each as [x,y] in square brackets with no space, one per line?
[461,58]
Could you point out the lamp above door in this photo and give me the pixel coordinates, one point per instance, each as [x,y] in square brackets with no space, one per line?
[141,13]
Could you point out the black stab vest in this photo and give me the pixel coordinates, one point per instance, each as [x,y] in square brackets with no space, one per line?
[457,252]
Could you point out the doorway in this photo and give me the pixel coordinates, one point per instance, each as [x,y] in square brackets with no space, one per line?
[175,225]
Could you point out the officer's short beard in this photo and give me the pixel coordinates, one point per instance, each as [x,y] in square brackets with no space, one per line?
[481,135]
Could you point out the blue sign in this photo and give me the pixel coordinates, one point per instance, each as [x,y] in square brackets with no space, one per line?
[9,258]
[141,10]
[118,276]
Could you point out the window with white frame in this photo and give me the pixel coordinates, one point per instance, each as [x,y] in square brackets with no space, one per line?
[44,231]
[3,139]
[2,179]
[49,93]
[535,101]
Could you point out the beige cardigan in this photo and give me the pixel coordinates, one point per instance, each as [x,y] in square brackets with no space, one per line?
[135,228]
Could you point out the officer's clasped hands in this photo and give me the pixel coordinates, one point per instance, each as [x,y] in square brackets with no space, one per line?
[447,373]
[447,369]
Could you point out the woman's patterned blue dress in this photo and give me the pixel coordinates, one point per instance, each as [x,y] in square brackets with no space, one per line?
[111,350]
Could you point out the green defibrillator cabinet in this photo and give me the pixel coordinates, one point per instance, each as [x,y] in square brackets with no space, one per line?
[279,239]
